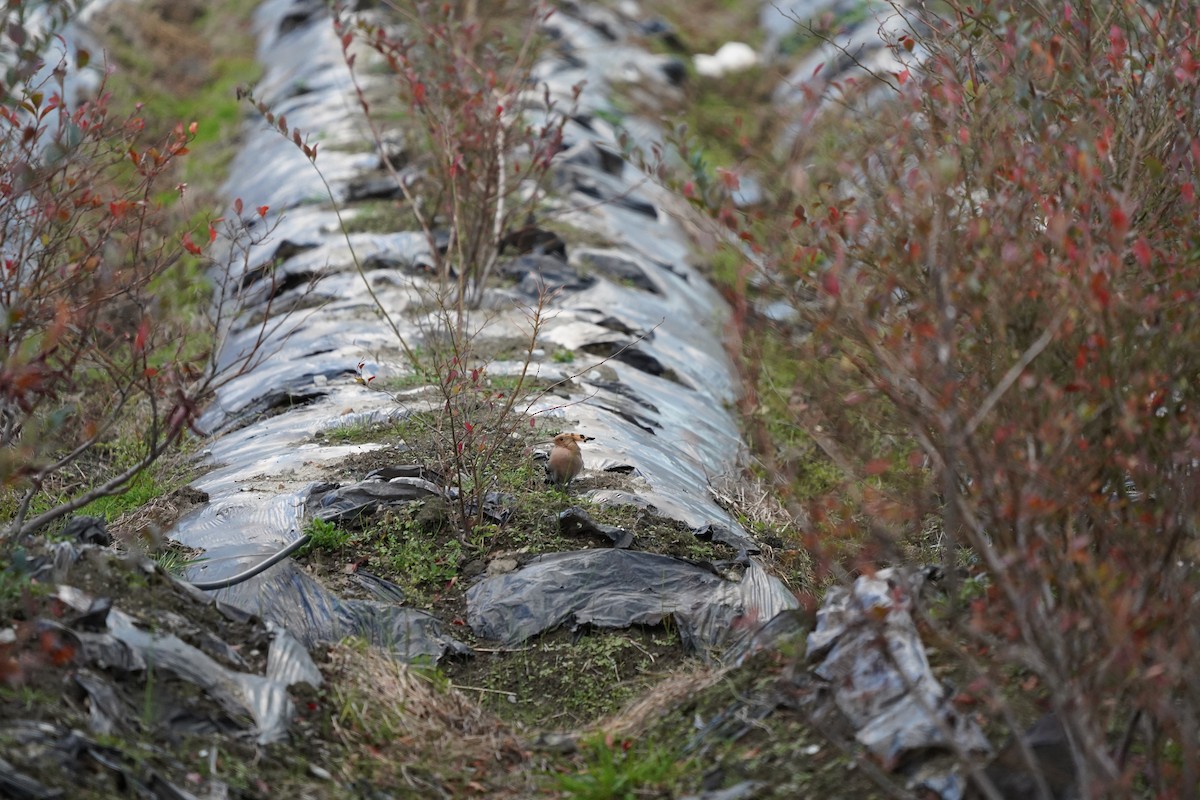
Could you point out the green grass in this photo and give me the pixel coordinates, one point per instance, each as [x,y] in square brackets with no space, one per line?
[323,535]
[620,770]
[361,433]
[141,490]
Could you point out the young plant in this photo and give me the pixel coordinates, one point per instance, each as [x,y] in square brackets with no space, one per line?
[464,78]
[617,770]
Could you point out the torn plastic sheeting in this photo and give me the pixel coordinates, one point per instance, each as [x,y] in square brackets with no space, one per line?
[612,588]
[20,786]
[334,336]
[325,256]
[239,531]
[264,699]
[536,274]
[617,266]
[888,692]
[74,753]
[346,504]
[288,661]
[695,424]
[679,336]
[302,345]
[269,169]
[596,59]
[574,521]
[105,709]
[291,598]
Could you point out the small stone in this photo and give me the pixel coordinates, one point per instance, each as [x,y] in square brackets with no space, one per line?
[501,566]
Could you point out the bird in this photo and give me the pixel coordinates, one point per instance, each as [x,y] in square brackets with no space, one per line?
[565,459]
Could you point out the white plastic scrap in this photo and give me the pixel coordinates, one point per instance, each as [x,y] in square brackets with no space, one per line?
[871,654]
[732,57]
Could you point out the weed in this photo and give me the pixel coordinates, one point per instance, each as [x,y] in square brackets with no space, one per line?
[174,562]
[616,770]
[412,554]
[324,535]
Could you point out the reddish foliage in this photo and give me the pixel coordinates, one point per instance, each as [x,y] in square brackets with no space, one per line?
[1009,282]
[85,237]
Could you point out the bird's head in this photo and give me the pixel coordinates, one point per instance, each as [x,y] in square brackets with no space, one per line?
[569,439]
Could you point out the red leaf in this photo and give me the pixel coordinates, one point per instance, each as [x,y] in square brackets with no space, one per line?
[1141,250]
[830,282]
[190,246]
[237,206]
[139,341]
[1099,290]
[877,466]
[1119,220]
[262,210]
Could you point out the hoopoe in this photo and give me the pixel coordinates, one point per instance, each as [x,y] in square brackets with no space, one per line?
[565,459]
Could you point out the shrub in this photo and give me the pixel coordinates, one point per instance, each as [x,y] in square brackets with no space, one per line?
[92,347]
[997,278]
[465,80]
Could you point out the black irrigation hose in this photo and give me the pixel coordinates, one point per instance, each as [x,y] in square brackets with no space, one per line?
[233,580]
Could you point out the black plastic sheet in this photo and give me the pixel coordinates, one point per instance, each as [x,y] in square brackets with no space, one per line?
[658,409]
[611,588]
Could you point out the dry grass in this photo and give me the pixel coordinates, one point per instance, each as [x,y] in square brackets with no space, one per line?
[672,692]
[412,730]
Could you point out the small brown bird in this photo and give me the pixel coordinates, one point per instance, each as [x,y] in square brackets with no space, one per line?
[565,459]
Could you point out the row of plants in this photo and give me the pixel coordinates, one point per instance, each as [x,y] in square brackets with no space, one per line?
[993,278]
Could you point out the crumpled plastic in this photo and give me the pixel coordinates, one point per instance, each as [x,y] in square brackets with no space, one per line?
[130,645]
[574,521]
[345,504]
[866,646]
[74,752]
[611,588]
[289,597]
